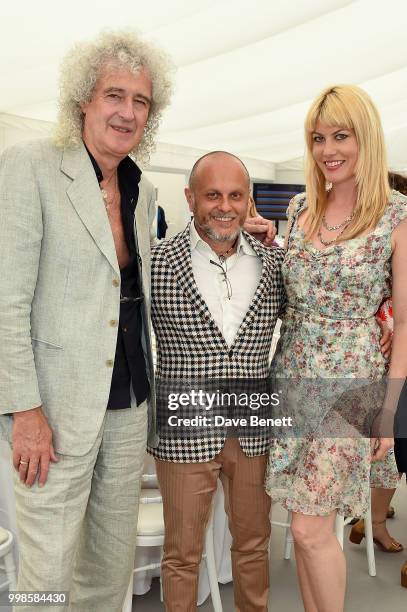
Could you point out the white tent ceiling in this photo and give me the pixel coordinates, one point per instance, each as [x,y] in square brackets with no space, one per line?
[247,71]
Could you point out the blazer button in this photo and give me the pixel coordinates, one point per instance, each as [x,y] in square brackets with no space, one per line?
[115,282]
[113,323]
[109,363]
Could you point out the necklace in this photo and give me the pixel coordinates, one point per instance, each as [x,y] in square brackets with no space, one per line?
[104,193]
[332,228]
[222,256]
[329,242]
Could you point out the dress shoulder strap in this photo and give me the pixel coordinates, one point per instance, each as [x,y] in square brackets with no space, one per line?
[396,209]
[295,206]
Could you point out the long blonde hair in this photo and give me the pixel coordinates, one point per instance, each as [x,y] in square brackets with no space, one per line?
[349,107]
[251,209]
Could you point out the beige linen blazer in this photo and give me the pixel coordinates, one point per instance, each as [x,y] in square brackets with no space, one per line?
[60,291]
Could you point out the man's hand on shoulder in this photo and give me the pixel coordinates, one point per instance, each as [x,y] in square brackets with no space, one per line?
[261,228]
[384,318]
[32,446]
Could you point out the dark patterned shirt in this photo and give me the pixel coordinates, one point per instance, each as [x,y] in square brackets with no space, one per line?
[129,364]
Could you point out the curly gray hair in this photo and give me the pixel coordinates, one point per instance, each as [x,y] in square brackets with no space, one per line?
[83,65]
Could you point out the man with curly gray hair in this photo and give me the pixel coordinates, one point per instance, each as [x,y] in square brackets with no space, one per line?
[77,391]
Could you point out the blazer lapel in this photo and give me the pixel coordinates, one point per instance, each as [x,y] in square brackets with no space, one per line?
[85,196]
[142,228]
[262,292]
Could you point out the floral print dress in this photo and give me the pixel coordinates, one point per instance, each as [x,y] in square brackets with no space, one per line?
[329,333]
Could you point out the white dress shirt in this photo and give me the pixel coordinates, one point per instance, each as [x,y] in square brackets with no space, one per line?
[243,269]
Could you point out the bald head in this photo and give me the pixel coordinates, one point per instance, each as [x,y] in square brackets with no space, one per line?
[218,195]
[215,159]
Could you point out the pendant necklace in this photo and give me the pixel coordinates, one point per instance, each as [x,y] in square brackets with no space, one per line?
[103,191]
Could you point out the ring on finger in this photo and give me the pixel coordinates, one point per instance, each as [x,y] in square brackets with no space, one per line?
[24,462]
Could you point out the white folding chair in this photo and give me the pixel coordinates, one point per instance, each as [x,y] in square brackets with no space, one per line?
[150,532]
[339,530]
[7,560]
[288,535]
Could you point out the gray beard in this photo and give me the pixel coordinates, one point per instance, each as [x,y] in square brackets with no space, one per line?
[219,237]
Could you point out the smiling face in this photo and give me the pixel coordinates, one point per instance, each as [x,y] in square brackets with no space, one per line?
[115,117]
[218,198]
[335,150]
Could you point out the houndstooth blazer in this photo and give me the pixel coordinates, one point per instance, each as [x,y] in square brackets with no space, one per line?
[190,346]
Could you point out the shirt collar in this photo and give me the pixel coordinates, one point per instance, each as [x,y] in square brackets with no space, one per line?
[127,167]
[243,247]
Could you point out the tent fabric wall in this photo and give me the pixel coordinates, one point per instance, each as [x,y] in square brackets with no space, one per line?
[246,71]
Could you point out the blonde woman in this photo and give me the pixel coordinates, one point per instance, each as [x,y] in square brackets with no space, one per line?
[346,252]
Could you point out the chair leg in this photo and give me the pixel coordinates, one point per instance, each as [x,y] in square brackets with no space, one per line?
[371,562]
[161,590]
[211,567]
[10,571]
[288,538]
[161,576]
[339,528]
[128,600]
